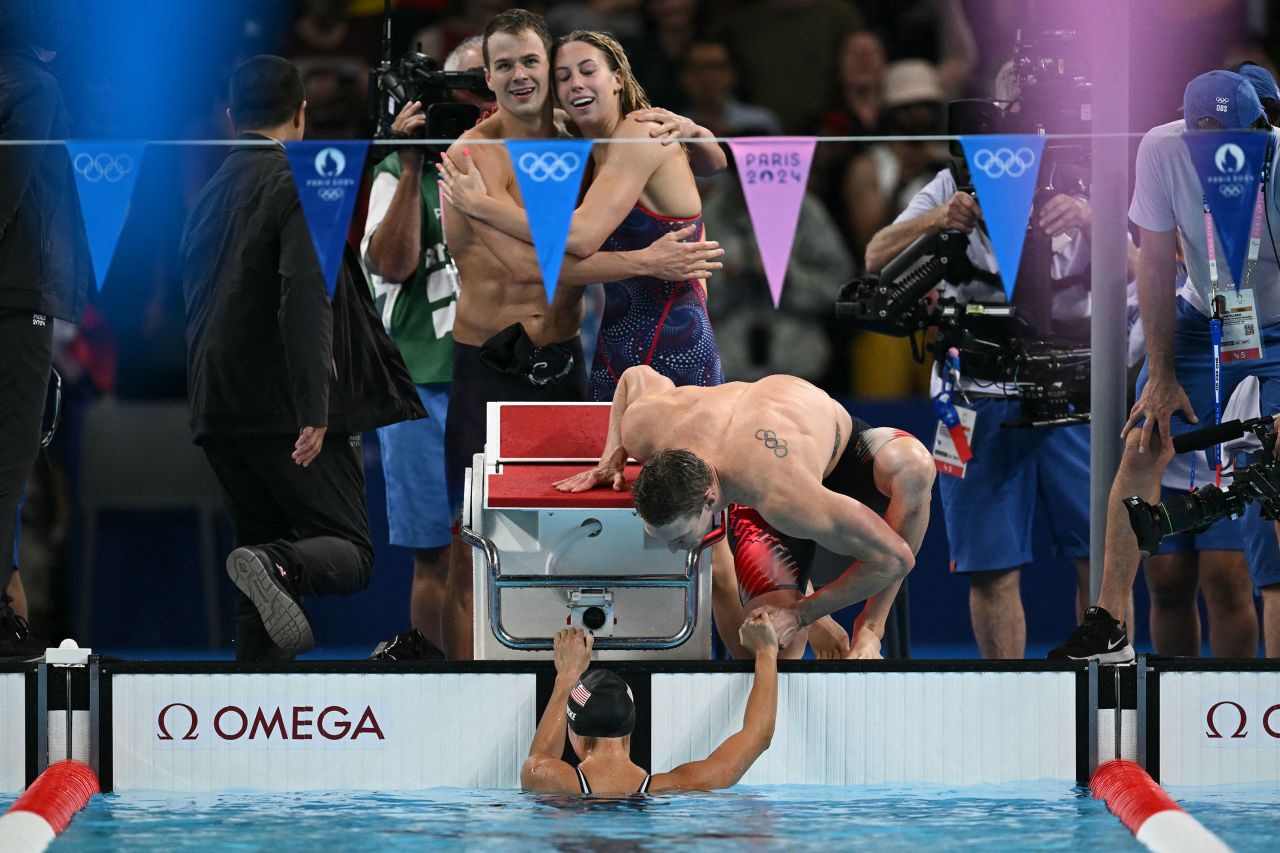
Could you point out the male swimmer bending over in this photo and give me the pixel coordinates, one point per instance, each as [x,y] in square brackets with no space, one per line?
[601,714]
[785,448]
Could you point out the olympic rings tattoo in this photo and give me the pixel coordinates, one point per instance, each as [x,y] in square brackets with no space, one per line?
[771,441]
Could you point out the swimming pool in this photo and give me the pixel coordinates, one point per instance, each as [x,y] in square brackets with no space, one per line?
[1024,816]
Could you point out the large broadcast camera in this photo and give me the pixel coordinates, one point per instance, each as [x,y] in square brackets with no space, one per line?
[996,343]
[417,77]
[1192,512]
[1011,346]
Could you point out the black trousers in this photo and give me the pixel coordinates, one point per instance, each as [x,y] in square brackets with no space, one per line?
[312,521]
[26,358]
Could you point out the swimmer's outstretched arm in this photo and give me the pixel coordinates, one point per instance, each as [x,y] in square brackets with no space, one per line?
[544,769]
[733,758]
[807,510]
[634,383]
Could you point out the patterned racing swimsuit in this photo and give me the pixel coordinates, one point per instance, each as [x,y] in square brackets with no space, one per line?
[663,324]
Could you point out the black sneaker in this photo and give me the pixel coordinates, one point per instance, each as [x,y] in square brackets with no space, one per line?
[268,586]
[1099,637]
[16,641]
[406,646]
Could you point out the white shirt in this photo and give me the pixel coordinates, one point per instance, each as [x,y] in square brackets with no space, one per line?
[1167,195]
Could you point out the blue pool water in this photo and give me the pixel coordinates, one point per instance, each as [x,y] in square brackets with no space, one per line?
[1026,816]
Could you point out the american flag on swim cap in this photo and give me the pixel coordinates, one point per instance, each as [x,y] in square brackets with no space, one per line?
[580,694]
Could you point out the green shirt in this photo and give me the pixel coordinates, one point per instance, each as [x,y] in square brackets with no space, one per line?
[418,314]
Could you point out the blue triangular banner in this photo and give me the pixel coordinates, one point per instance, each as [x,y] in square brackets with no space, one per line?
[549,172]
[1004,169]
[1229,164]
[327,174]
[105,173]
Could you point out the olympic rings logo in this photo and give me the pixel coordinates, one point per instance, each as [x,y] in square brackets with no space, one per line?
[771,441]
[549,166]
[1004,162]
[103,167]
[1231,190]
[330,193]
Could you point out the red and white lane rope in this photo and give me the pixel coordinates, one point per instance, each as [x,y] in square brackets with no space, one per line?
[46,808]
[1149,812]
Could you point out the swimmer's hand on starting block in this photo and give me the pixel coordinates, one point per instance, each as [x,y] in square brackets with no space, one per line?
[600,475]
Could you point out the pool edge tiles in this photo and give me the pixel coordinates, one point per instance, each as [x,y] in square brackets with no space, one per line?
[13,732]
[880,728]
[319,731]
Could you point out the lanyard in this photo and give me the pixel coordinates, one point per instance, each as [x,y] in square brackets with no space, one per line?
[946,409]
[1255,243]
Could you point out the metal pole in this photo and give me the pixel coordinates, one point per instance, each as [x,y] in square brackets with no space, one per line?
[1108,33]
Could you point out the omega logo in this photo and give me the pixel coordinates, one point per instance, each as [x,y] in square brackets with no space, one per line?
[1234,721]
[180,721]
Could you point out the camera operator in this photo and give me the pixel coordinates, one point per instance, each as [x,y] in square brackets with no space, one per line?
[44,264]
[1176,387]
[415,284]
[990,509]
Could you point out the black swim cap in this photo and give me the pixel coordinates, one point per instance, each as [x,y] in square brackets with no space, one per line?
[601,705]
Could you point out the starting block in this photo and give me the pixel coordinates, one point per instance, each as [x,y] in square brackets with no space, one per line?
[543,560]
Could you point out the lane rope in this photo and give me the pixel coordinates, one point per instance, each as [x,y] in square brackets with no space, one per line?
[47,807]
[1149,812]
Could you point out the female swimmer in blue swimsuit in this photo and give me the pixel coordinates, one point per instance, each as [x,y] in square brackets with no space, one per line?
[639,193]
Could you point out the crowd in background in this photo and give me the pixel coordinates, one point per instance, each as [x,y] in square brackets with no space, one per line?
[830,68]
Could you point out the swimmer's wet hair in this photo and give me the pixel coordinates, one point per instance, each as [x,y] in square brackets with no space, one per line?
[672,483]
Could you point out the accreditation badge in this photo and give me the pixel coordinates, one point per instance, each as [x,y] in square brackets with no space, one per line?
[1241,331]
[945,456]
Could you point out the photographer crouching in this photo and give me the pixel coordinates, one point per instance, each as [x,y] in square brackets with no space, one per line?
[415,285]
[990,503]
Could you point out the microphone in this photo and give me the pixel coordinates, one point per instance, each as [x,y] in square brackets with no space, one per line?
[1203,439]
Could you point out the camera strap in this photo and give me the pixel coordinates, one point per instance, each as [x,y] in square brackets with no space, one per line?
[945,407]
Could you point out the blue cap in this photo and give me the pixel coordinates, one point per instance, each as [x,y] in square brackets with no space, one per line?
[1224,96]
[1261,80]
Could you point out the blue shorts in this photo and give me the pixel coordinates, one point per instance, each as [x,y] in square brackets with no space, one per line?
[418,512]
[1193,366]
[989,513]
[1260,547]
[1222,535]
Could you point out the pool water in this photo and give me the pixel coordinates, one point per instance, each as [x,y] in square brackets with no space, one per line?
[1026,816]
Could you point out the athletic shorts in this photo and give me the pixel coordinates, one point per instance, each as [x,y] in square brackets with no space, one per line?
[418,510]
[766,559]
[1222,535]
[475,385]
[1193,365]
[989,513]
[1260,546]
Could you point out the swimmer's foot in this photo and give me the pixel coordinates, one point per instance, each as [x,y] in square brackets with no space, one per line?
[1099,637]
[269,587]
[407,646]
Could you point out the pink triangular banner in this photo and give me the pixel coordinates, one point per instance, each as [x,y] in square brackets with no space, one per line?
[773,171]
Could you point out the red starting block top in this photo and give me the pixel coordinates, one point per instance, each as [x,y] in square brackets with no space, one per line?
[552,431]
[529,486]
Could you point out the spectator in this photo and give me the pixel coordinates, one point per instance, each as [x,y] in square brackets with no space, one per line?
[804,36]
[708,79]
[333,53]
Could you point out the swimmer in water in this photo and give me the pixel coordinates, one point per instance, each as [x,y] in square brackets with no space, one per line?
[600,713]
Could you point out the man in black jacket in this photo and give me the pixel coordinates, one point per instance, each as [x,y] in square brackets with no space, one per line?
[281,380]
[44,265]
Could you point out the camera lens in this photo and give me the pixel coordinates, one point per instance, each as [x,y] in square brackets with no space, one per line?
[593,618]
[1147,523]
